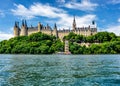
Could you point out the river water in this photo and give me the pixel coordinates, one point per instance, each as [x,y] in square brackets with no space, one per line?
[59,70]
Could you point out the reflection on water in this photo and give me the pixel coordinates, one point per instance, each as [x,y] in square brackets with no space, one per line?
[59,70]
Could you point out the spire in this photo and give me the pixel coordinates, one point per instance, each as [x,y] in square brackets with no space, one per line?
[47,26]
[25,23]
[74,19]
[74,23]
[15,24]
[22,22]
[93,22]
[93,25]
[55,26]
[55,31]
[40,27]
[16,29]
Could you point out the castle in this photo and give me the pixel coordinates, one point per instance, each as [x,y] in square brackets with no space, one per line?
[25,30]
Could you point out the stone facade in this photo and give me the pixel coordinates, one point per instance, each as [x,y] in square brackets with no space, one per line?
[25,30]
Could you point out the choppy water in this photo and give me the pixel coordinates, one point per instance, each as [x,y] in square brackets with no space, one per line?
[59,70]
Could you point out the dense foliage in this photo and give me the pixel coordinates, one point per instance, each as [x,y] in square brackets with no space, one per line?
[99,37]
[108,43]
[37,43]
[103,48]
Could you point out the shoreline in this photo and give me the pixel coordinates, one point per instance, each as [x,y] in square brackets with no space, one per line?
[60,54]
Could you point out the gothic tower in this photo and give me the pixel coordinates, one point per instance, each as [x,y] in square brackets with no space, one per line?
[94,26]
[93,22]
[74,24]
[39,27]
[47,27]
[55,32]
[16,29]
[24,29]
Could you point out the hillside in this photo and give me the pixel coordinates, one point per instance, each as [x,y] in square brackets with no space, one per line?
[100,43]
[37,43]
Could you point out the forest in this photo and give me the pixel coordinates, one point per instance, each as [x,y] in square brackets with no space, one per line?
[36,43]
[107,43]
[39,43]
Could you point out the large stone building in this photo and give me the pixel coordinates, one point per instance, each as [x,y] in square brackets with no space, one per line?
[25,30]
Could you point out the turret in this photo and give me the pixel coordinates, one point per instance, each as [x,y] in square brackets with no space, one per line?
[93,22]
[93,25]
[39,27]
[93,28]
[74,24]
[55,32]
[24,29]
[25,24]
[48,27]
[16,29]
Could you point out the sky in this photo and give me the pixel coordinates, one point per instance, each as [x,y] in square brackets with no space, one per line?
[106,14]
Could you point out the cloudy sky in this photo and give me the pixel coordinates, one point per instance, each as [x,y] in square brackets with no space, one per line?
[106,13]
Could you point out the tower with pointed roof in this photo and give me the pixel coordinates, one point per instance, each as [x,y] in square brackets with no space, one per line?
[24,29]
[16,29]
[39,27]
[55,32]
[74,24]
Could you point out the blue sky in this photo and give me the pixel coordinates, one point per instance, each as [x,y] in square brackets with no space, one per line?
[106,14]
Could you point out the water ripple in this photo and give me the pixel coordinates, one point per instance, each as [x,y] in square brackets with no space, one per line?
[59,70]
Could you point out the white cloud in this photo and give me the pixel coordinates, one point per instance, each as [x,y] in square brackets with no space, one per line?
[114,29]
[84,5]
[119,20]
[114,1]
[2,14]
[82,21]
[37,9]
[5,36]
[63,18]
